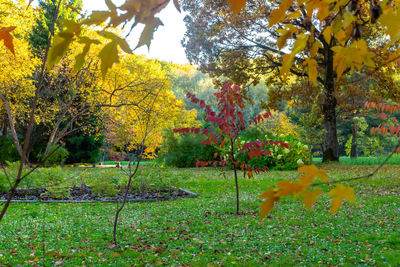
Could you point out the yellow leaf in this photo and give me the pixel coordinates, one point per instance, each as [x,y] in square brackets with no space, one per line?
[97,17]
[294,15]
[341,37]
[314,171]
[108,56]
[300,44]
[391,20]
[314,48]
[121,42]
[336,25]
[323,11]
[80,58]
[236,5]
[338,194]
[310,197]
[287,188]
[287,62]
[327,33]
[312,71]
[348,18]
[62,41]
[148,31]
[59,47]
[268,205]
[277,15]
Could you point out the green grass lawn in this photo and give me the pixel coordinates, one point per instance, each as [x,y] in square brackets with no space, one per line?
[365,161]
[148,162]
[204,230]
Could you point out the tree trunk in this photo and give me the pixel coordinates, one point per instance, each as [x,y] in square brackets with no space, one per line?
[331,144]
[353,152]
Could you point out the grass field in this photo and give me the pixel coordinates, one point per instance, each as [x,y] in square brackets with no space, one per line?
[204,230]
[365,161]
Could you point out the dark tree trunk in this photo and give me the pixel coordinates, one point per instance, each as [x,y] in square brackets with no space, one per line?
[331,144]
[353,152]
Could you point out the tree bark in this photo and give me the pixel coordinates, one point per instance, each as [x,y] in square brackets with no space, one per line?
[353,152]
[331,144]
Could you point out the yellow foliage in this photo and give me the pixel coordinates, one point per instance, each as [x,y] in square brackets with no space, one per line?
[16,70]
[140,105]
[278,124]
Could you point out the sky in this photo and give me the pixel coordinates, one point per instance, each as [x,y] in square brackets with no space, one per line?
[166,44]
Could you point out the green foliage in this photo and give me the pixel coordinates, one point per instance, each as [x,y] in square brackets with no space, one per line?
[102,182]
[84,148]
[8,152]
[183,150]
[45,177]
[149,179]
[4,184]
[58,154]
[41,30]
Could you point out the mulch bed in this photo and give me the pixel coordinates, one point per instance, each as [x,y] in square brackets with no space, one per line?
[85,194]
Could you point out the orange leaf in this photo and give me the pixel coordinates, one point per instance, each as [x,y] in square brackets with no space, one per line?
[314,171]
[7,38]
[237,5]
[287,188]
[338,194]
[268,204]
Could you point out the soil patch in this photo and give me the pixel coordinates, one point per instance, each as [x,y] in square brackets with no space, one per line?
[85,194]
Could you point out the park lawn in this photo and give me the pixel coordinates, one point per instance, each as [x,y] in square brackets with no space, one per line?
[205,230]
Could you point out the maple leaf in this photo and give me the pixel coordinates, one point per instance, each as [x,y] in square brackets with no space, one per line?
[7,38]
[148,31]
[312,170]
[287,188]
[339,193]
[97,17]
[310,197]
[62,41]
[237,5]
[108,56]
[266,206]
[80,58]
[178,7]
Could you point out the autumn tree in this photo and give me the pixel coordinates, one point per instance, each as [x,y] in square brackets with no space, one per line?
[128,88]
[142,12]
[17,66]
[316,41]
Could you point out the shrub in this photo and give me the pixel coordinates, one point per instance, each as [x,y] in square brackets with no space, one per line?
[4,185]
[103,182]
[280,158]
[85,149]
[8,150]
[58,155]
[182,151]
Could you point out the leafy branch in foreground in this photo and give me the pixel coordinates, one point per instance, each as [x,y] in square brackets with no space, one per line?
[302,188]
[340,192]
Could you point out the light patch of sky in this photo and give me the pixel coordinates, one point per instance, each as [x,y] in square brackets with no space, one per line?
[166,43]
